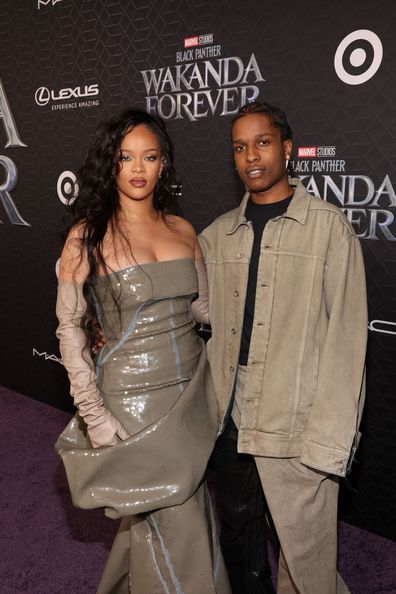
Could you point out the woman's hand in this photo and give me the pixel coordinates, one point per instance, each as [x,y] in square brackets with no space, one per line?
[108,433]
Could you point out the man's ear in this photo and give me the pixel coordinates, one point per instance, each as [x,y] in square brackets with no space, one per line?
[288,147]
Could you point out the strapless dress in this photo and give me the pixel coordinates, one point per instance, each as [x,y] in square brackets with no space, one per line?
[154,377]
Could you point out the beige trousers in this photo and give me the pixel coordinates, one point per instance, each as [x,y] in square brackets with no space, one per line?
[303,505]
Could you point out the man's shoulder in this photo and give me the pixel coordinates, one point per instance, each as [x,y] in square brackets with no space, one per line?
[223,220]
[319,207]
[317,203]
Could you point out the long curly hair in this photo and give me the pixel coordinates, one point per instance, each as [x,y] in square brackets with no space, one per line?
[97,206]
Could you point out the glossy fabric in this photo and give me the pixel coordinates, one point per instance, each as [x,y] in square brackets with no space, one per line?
[170,551]
[154,378]
[102,427]
[152,350]
[243,510]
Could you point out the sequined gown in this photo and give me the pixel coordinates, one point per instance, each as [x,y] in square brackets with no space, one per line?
[154,378]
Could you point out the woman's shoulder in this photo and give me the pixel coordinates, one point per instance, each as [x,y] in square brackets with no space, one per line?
[76,232]
[73,262]
[182,225]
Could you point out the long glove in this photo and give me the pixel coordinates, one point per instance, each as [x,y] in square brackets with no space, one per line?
[200,307]
[103,428]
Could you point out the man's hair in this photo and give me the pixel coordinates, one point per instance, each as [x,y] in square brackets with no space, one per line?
[277,115]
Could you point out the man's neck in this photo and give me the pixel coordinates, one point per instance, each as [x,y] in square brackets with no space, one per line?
[275,194]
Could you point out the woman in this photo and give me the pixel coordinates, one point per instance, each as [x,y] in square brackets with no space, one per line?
[147,417]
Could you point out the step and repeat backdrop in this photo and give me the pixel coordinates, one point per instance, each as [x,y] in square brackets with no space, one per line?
[66,65]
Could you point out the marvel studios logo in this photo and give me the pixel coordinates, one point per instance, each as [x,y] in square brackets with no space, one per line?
[198,40]
[313,152]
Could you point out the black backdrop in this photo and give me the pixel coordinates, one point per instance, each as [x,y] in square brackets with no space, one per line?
[65,65]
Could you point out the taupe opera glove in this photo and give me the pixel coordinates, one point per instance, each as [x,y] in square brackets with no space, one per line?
[200,307]
[103,428]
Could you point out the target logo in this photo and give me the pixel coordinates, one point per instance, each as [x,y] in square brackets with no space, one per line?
[358,57]
[67,187]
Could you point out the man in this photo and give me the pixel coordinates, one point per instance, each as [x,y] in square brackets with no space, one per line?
[287,306]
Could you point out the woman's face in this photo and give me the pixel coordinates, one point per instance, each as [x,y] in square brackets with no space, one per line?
[140,165]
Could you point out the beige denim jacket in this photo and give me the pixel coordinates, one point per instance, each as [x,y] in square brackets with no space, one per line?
[309,334]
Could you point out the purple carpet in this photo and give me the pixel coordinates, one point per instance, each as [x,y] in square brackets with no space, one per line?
[50,547]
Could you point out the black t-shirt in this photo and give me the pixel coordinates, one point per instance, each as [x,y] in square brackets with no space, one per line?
[259,215]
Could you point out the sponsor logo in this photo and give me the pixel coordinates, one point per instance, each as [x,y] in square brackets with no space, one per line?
[358,57]
[326,151]
[306,151]
[44,96]
[313,152]
[47,357]
[197,40]
[383,327]
[41,3]
[191,41]
[11,173]
[67,187]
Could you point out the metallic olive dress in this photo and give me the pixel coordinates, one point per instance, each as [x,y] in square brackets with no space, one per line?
[155,380]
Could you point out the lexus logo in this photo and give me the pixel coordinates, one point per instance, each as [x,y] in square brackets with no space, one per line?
[42,96]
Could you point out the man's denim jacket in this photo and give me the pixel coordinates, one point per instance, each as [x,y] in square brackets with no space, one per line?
[308,341]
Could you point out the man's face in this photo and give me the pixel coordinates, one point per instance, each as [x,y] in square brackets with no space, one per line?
[260,154]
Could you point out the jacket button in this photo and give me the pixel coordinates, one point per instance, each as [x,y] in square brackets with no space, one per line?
[236,293]
[233,331]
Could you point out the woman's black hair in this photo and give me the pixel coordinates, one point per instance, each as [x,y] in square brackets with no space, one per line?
[278,118]
[97,205]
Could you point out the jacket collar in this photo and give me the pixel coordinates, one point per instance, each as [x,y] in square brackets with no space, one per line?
[297,210]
